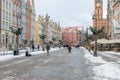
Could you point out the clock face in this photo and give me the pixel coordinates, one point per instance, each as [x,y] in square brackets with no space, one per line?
[98,5]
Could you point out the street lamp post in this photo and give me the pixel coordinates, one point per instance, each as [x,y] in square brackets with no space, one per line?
[95,47]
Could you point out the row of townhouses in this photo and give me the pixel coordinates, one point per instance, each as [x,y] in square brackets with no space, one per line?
[21,13]
[46,26]
[16,14]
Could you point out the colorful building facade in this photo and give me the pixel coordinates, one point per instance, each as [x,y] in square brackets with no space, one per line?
[28,21]
[39,29]
[33,17]
[15,14]
[54,31]
[114,18]
[23,20]
[48,27]
[10,17]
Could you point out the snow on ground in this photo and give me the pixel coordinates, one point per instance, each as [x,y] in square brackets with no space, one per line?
[8,57]
[105,70]
[109,71]
[91,58]
[41,52]
[9,54]
[110,53]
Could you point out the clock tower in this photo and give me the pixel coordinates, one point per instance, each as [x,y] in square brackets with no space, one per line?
[99,9]
[98,20]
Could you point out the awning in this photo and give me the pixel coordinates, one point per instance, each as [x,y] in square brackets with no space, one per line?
[105,41]
[101,41]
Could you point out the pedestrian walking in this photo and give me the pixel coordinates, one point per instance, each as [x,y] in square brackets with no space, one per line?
[38,47]
[69,48]
[47,48]
[33,47]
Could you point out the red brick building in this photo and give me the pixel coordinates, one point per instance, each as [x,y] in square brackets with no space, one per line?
[71,35]
[28,20]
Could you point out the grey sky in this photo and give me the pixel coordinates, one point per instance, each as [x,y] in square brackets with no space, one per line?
[68,12]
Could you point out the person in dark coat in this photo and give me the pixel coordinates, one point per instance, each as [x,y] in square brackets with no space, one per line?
[47,48]
[27,53]
[38,47]
[33,47]
[69,48]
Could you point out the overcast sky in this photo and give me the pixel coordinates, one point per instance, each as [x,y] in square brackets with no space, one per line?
[68,12]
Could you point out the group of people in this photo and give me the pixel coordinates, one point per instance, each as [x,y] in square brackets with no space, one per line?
[38,47]
[33,47]
[48,48]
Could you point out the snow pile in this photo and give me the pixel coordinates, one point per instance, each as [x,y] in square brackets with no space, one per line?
[37,52]
[83,48]
[55,49]
[41,52]
[105,70]
[111,52]
[22,53]
[5,58]
[8,57]
[91,58]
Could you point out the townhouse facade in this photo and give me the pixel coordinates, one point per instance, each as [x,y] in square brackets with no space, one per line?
[15,14]
[113,16]
[10,17]
[39,29]
[33,18]
[54,31]
[28,20]
[23,20]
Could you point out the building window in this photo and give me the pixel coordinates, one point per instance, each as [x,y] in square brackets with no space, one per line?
[3,3]
[3,26]
[7,4]
[3,14]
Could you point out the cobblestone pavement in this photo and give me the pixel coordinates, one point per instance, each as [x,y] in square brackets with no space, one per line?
[60,65]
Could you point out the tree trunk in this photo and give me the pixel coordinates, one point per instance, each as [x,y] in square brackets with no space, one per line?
[89,46]
[95,52]
[43,45]
[17,44]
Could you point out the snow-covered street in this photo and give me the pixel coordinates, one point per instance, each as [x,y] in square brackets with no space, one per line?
[60,65]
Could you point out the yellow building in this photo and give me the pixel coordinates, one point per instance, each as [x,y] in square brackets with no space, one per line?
[39,29]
